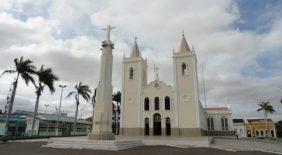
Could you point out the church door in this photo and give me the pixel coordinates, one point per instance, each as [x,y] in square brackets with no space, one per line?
[157,125]
[167,126]
[147,129]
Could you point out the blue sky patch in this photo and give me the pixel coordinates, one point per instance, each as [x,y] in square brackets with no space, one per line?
[257,15]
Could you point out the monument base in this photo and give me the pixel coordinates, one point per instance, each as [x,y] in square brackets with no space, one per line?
[101,136]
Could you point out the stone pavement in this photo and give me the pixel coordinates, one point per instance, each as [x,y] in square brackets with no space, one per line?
[34,148]
[121,142]
[233,144]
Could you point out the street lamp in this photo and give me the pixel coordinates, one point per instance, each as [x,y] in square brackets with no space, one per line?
[59,114]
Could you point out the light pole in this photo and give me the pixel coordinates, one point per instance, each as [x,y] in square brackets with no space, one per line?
[204,88]
[59,114]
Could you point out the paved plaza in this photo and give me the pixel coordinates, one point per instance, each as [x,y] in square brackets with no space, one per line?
[34,148]
[146,145]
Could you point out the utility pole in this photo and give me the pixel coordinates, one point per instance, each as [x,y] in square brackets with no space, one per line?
[59,113]
[204,86]
[205,96]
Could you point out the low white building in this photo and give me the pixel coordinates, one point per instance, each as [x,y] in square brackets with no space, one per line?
[240,128]
[219,121]
[45,124]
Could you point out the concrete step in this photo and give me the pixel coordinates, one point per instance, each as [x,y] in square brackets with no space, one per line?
[97,145]
[177,143]
[84,143]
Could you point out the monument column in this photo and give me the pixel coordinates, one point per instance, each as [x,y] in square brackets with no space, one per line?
[102,121]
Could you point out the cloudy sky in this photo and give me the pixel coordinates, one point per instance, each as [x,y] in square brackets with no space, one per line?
[239,43]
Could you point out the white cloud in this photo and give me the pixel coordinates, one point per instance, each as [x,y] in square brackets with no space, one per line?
[67,38]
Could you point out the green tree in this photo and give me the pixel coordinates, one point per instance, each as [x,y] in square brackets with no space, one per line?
[46,77]
[266,108]
[117,99]
[24,69]
[79,90]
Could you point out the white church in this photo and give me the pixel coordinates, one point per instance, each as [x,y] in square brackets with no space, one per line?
[158,109]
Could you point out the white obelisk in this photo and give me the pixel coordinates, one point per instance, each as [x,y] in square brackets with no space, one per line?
[102,124]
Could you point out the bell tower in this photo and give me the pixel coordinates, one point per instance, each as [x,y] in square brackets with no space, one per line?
[133,80]
[188,108]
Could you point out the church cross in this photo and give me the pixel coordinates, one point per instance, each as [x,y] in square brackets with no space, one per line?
[108,29]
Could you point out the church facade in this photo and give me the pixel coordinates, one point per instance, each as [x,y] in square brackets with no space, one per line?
[156,108]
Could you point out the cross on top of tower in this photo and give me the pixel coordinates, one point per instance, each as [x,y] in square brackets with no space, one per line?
[108,29]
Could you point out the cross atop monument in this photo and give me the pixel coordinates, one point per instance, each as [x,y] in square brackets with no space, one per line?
[156,72]
[108,29]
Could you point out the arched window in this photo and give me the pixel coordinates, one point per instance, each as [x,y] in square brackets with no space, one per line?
[131,74]
[146,126]
[222,123]
[167,126]
[157,103]
[257,133]
[146,104]
[272,133]
[226,123]
[167,103]
[261,132]
[210,123]
[183,68]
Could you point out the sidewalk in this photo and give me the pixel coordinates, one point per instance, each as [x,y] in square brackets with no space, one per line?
[247,145]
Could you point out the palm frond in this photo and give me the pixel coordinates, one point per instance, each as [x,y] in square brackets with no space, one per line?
[266,107]
[117,97]
[260,109]
[47,77]
[70,94]
[8,71]
[85,96]
[27,78]
[23,66]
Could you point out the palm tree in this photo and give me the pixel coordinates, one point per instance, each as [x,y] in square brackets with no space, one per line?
[25,69]
[80,90]
[117,99]
[46,77]
[267,108]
